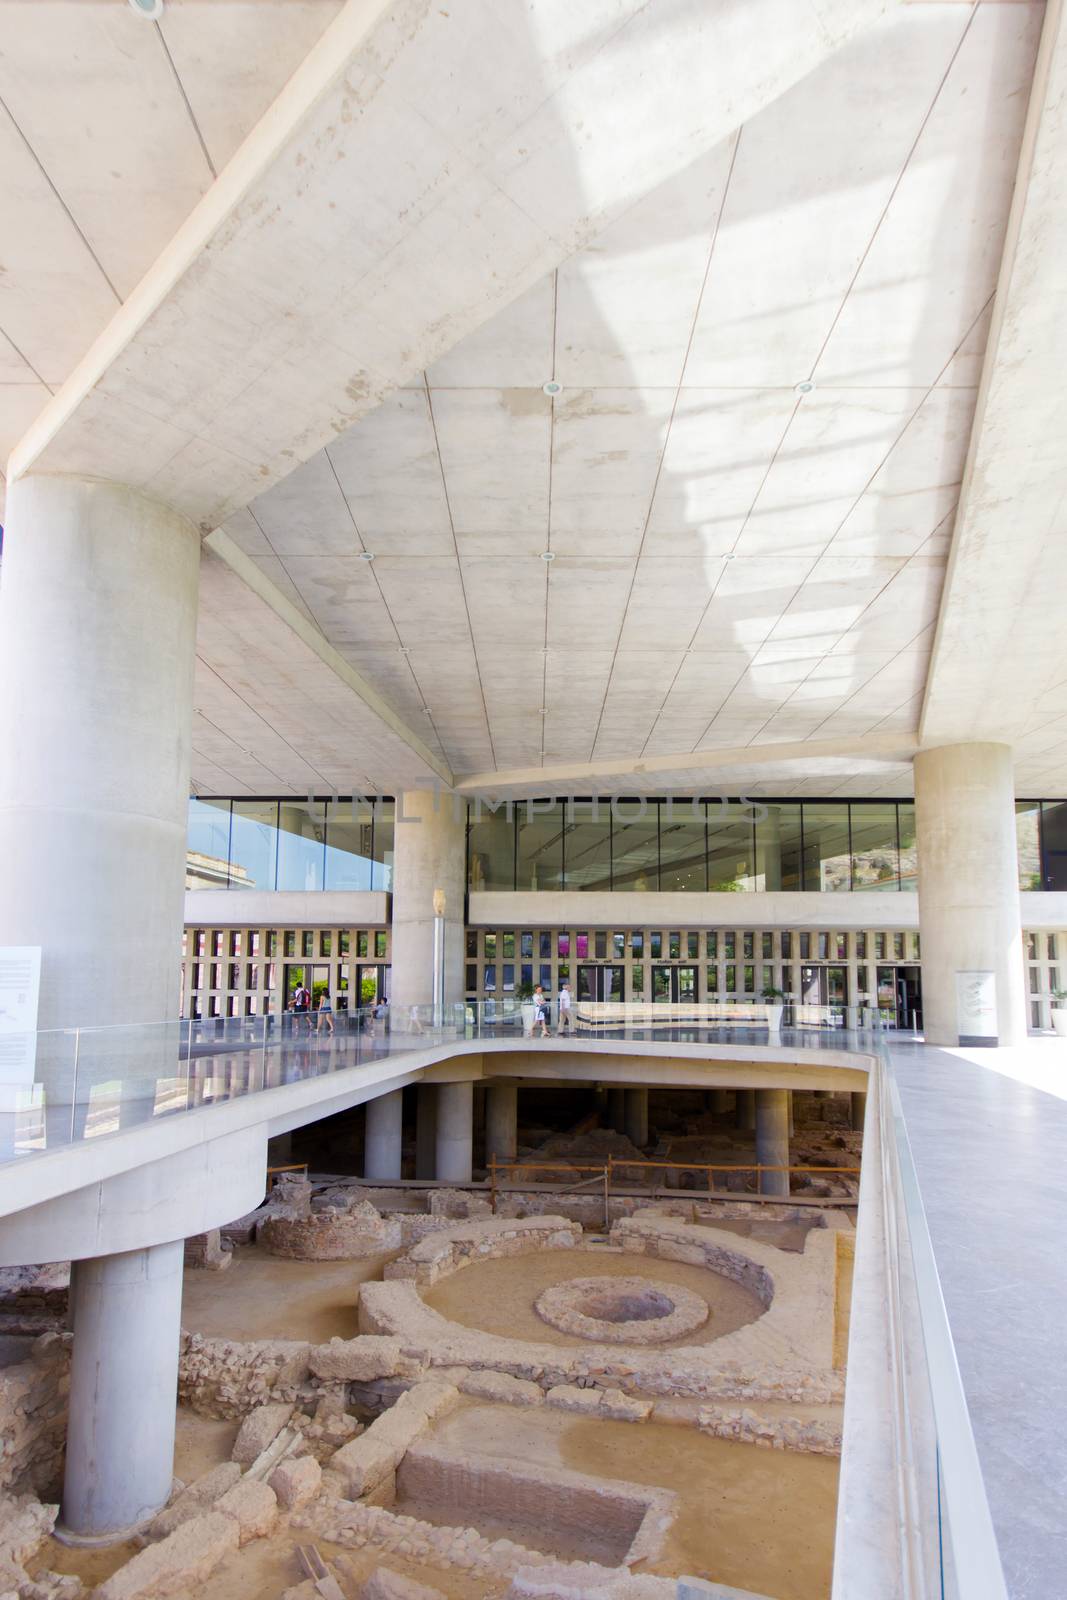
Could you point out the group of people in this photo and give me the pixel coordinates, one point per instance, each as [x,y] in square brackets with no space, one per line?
[542,1009]
[318,1021]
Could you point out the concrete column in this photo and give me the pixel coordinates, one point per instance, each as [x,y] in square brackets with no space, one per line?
[123,1391]
[858,1110]
[426,1131]
[792,1120]
[97,649]
[383,1139]
[430,853]
[969,892]
[720,1101]
[745,1110]
[772,1138]
[455,1132]
[637,1117]
[616,1115]
[502,1121]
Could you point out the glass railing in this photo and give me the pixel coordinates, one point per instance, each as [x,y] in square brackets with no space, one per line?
[62,1086]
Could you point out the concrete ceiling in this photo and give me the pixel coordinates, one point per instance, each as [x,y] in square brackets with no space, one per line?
[736,564]
[435,218]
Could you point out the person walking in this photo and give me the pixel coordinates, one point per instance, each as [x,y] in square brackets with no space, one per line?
[565,1020]
[540,1000]
[301,1006]
[325,1013]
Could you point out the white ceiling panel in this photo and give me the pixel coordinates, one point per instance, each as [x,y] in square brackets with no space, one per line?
[494,446]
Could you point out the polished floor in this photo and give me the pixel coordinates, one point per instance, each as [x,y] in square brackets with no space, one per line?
[990,1148]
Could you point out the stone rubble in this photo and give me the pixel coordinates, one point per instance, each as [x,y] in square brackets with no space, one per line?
[377,1453]
[258,1430]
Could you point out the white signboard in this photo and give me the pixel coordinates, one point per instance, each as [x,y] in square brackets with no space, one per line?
[976,1007]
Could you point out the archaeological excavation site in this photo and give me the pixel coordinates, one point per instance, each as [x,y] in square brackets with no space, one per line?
[607,1362]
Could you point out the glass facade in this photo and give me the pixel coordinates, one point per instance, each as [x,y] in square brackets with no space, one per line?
[290,844]
[726,846]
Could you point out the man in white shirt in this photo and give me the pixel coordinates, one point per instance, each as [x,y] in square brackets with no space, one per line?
[565,1009]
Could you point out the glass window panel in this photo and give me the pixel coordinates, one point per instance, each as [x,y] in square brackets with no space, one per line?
[235,942]
[253,844]
[683,861]
[587,845]
[826,854]
[563,970]
[362,944]
[898,946]
[637,981]
[637,943]
[472,976]
[540,847]
[879,947]
[489,980]
[692,945]
[307,943]
[787,946]
[824,946]
[526,976]
[618,944]
[655,945]
[508,977]
[861,945]
[490,947]
[546,975]
[766,945]
[875,862]
[1054,843]
[349,845]
[909,856]
[490,849]
[508,946]
[779,859]
[380,942]
[841,946]
[301,843]
[674,946]
[731,980]
[729,942]
[581,946]
[748,945]
[207,850]
[713,944]
[600,946]
[526,946]
[805,947]
[472,941]
[713,982]
[384,830]
[635,845]
[289,943]
[731,864]
[750,979]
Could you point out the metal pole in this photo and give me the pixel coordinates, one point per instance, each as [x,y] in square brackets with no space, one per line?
[438,958]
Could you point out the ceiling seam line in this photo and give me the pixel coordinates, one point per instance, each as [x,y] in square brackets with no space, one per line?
[188,105]
[459,571]
[548,534]
[222,731]
[28,363]
[277,732]
[666,442]
[66,209]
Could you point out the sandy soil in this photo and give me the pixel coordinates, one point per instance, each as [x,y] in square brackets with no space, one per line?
[497,1296]
[759,1519]
[261,1296]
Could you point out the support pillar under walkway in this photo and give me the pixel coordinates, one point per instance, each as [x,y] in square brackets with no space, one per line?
[383,1139]
[426,1131]
[745,1110]
[637,1117]
[502,1121]
[772,1139]
[455,1132]
[123,1392]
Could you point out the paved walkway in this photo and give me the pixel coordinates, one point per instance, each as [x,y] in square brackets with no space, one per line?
[988,1131]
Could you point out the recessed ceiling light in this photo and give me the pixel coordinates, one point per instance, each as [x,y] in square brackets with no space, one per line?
[426,711]
[806,387]
[366,555]
[548,555]
[729,556]
[151,10]
[552,387]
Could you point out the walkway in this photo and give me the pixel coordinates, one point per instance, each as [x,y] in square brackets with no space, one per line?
[990,1149]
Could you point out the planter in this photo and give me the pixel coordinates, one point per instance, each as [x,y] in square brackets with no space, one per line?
[775,1013]
[1059,1020]
[528,1012]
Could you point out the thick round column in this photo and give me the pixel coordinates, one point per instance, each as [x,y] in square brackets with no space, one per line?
[616,1111]
[455,1132]
[772,1139]
[426,1131]
[637,1117]
[383,1138]
[430,854]
[502,1121]
[123,1391]
[745,1110]
[969,895]
[97,649]
[858,1111]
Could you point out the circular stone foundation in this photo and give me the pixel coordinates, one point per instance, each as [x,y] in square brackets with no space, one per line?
[621,1310]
